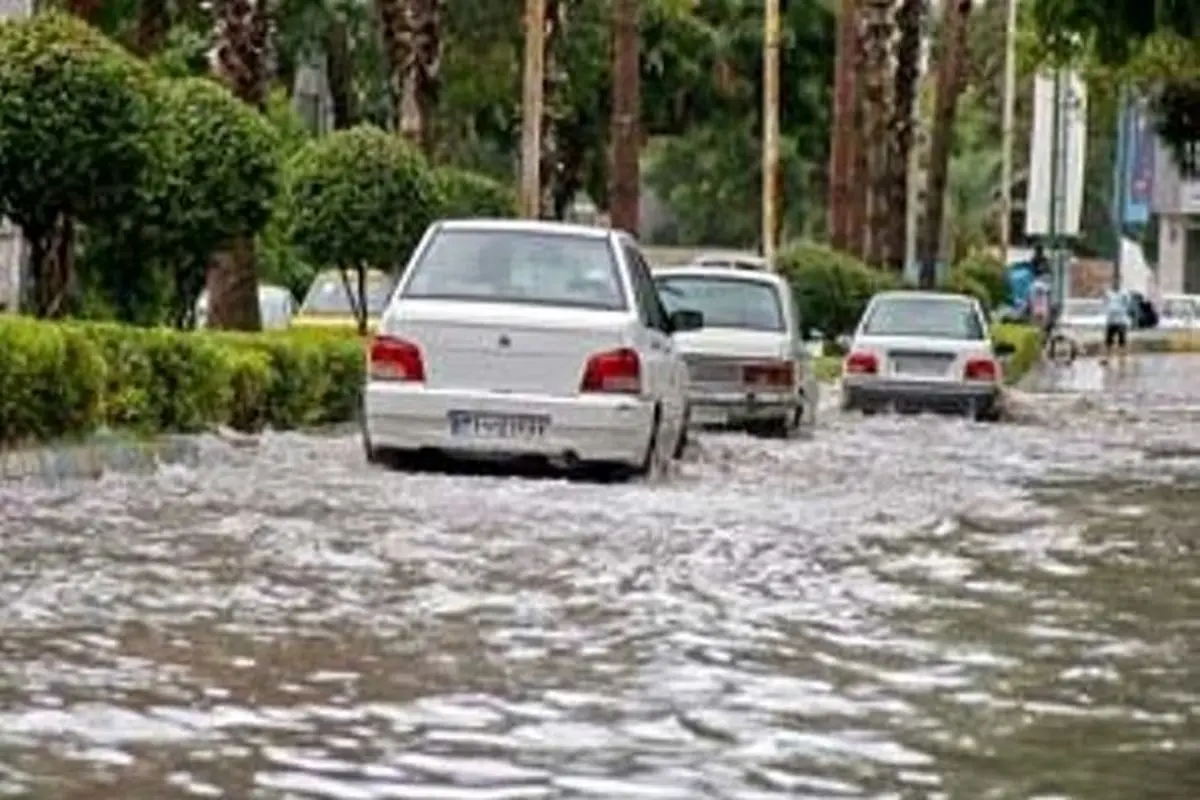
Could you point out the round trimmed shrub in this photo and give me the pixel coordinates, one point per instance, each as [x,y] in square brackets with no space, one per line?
[469,194]
[988,272]
[831,288]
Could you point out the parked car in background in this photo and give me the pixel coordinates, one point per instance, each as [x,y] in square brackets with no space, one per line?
[749,367]
[528,339]
[329,304]
[276,305]
[1083,312]
[730,259]
[1179,312]
[924,351]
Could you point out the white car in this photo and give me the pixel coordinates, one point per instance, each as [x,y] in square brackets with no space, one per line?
[518,338]
[924,351]
[1179,312]
[276,305]
[1083,312]
[733,259]
[749,367]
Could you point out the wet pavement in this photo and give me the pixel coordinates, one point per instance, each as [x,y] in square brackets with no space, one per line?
[902,607]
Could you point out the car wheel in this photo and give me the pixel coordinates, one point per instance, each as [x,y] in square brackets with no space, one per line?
[780,428]
[652,463]
[682,442]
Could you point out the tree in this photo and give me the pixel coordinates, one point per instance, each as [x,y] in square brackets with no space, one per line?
[213,178]
[468,194]
[412,42]
[360,199]
[73,122]
[910,17]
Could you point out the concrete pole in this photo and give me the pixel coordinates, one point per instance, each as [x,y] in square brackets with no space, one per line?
[770,152]
[531,108]
[624,195]
[1008,125]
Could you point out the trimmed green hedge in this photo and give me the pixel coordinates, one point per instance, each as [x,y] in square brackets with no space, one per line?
[69,379]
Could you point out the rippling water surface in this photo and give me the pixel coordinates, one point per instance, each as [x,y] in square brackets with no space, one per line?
[902,607]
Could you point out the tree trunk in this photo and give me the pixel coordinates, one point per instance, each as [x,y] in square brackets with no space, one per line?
[624,175]
[554,113]
[844,145]
[153,22]
[412,46]
[950,73]
[86,10]
[876,73]
[909,20]
[52,267]
[341,75]
[244,60]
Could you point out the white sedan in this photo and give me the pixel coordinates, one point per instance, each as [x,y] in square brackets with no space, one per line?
[528,339]
[924,351]
[749,367]
[1179,312]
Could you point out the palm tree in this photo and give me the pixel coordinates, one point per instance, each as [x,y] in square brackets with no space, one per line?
[412,43]
[910,18]
[876,33]
[950,75]
[243,58]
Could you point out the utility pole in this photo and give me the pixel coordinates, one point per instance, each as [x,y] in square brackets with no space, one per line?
[770,153]
[1007,128]
[1120,182]
[1057,200]
[626,112]
[531,107]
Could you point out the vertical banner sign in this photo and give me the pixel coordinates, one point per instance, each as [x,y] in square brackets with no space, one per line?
[12,244]
[1137,138]
[1070,149]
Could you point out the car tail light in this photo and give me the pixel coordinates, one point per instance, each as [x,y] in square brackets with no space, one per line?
[860,363]
[617,371]
[394,359]
[982,369]
[770,373]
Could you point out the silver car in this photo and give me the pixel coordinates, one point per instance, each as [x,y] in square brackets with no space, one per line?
[748,367]
[276,306]
[924,351]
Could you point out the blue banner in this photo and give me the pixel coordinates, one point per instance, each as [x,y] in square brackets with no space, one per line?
[1135,140]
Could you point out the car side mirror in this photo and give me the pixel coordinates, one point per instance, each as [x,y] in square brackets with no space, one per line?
[1004,348]
[686,320]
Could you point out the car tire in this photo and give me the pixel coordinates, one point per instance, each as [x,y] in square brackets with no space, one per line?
[651,464]
[681,444]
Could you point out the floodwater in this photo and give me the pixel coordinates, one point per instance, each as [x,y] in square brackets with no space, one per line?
[901,608]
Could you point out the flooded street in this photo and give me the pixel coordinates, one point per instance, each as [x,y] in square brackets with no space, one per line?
[900,608]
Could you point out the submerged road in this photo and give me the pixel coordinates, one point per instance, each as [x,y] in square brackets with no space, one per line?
[903,607]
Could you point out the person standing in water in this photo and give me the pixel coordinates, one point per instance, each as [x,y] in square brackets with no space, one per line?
[1117,322]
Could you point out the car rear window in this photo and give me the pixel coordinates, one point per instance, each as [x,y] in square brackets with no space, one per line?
[328,295]
[724,302]
[924,316]
[505,266]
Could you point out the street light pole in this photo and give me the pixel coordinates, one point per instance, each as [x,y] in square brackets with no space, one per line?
[770,153]
[531,108]
[1008,125]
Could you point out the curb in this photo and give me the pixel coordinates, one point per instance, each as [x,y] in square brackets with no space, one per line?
[91,459]
[1181,342]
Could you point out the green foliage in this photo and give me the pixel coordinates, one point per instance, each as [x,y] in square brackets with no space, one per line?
[61,380]
[1027,343]
[360,198]
[960,283]
[990,273]
[832,289]
[73,115]
[469,194]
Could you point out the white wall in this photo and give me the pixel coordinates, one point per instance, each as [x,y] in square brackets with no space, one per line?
[1172,241]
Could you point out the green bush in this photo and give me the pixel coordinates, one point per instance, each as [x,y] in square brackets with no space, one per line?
[831,288]
[988,273]
[67,380]
[1027,341]
[469,194]
[963,283]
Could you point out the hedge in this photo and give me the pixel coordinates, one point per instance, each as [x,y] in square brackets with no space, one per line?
[66,380]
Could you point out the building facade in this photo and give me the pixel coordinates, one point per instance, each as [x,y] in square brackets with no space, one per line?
[1176,204]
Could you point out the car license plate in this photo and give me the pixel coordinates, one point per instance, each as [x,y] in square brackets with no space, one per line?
[919,365]
[497,426]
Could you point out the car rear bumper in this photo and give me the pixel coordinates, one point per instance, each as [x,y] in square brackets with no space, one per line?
[734,408]
[599,428]
[941,396]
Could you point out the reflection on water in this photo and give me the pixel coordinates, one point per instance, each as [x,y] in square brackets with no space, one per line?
[900,608]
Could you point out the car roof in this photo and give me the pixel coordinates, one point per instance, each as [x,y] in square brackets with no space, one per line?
[914,294]
[371,272]
[720,273]
[730,257]
[526,226]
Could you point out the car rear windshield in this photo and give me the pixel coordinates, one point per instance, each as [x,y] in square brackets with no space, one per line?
[924,316]
[328,295]
[506,266]
[724,302]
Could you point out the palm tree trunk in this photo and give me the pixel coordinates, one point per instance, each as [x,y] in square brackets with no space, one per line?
[341,88]
[845,141]
[554,113]
[244,60]
[951,69]
[153,22]
[909,19]
[876,72]
[412,46]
